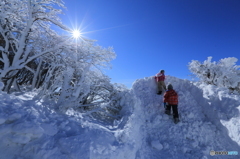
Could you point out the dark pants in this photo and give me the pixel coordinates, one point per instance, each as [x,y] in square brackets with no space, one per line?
[174,109]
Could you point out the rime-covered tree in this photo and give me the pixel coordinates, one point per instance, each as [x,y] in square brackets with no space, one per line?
[25,35]
[32,54]
[224,73]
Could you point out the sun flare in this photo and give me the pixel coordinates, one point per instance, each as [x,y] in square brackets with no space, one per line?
[76,34]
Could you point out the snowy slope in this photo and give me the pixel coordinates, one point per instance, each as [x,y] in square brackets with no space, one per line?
[209,121]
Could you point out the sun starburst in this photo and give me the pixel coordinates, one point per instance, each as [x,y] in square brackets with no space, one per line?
[76,34]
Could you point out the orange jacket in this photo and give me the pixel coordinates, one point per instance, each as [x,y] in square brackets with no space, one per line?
[171,97]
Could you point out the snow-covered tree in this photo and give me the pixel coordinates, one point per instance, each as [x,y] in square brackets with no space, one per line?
[24,28]
[224,73]
[63,69]
[76,80]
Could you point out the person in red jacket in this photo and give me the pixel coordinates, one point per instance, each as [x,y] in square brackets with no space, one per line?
[160,77]
[170,100]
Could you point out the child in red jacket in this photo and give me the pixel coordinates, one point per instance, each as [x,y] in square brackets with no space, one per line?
[160,77]
[171,102]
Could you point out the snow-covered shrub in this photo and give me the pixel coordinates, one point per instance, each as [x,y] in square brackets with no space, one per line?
[224,73]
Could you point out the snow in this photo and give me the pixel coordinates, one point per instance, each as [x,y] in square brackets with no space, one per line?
[209,120]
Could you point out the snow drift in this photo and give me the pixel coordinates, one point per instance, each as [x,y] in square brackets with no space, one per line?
[31,128]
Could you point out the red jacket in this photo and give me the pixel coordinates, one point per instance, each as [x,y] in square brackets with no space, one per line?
[160,77]
[171,97]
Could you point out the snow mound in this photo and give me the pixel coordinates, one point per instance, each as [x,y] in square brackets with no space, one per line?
[200,130]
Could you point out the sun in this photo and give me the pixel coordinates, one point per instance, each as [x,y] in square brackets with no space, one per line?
[76,34]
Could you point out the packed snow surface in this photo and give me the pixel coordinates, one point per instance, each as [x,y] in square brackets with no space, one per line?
[209,120]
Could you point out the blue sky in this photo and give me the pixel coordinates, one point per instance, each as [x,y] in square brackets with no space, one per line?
[158,34]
